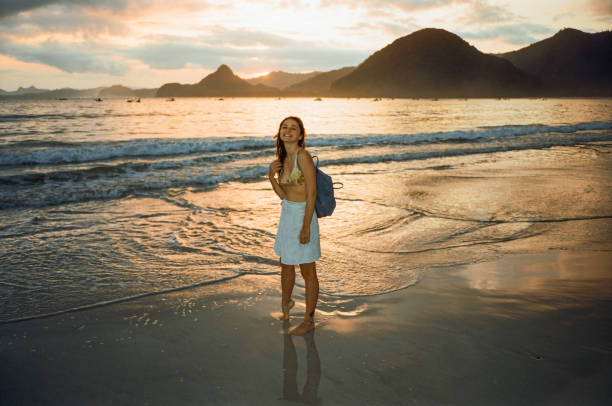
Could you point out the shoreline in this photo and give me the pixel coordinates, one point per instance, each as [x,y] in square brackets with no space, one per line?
[453,338]
[372,98]
[509,307]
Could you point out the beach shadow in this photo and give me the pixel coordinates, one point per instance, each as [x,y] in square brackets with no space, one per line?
[290,365]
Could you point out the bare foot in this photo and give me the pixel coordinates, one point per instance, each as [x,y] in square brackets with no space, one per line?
[285,308]
[304,327]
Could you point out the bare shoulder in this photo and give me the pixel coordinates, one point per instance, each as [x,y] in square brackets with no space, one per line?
[305,158]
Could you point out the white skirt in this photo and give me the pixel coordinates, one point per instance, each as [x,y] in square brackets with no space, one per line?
[287,243]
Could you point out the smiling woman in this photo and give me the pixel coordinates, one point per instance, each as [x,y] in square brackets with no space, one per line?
[103,201]
[297,239]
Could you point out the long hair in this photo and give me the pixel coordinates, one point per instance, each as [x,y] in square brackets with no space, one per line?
[281,152]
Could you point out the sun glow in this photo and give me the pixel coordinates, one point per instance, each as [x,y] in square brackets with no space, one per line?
[253,75]
[258,36]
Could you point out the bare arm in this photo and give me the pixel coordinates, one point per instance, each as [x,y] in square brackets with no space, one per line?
[275,167]
[310,181]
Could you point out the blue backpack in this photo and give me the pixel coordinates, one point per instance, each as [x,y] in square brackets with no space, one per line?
[326,202]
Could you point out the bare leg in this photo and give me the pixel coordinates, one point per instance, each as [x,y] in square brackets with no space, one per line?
[309,273]
[287,282]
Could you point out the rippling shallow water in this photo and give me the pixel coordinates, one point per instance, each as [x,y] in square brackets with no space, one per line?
[104,201]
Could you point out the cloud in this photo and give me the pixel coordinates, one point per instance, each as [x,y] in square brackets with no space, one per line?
[519,34]
[317,57]
[176,55]
[118,36]
[236,48]
[493,23]
[64,22]
[37,37]
[89,18]
[484,13]
[241,50]
[405,5]
[218,35]
[383,29]
[11,7]
[412,5]
[602,7]
[67,57]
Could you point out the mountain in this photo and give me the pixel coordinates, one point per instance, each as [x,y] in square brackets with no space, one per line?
[117,91]
[427,63]
[23,91]
[68,93]
[318,85]
[56,94]
[122,91]
[29,90]
[434,63]
[570,63]
[145,92]
[222,82]
[281,80]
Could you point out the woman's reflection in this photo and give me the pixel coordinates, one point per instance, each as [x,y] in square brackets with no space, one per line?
[313,369]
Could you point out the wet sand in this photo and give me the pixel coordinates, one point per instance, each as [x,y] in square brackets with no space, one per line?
[444,341]
[522,321]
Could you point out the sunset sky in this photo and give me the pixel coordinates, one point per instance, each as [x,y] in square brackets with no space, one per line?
[146,43]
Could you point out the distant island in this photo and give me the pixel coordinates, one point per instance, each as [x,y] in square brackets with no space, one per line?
[281,80]
[222,82]
[427,63]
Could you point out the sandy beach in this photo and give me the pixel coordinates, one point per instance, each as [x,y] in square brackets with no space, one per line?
[521,321]
[443,341]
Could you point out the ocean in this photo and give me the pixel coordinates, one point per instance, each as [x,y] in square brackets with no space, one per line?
[106,201]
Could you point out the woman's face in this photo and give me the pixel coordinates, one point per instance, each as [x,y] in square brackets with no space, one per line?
[290,131]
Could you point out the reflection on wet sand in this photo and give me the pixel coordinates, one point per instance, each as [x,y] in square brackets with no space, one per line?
[290,365]
[519,285]
[550,275]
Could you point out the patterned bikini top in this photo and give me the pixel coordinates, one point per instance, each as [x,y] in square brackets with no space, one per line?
[296,177]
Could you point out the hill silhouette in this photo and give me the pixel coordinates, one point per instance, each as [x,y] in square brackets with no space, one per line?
[570,63]
[427,63]
[57,93]
[69,93]
[122,91]
[116,91]
[318,85]
[23,91]
[222,82]
[434,63]
[280,79]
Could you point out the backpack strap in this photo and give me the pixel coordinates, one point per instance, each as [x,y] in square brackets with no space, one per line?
[297,161]
[317,164]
